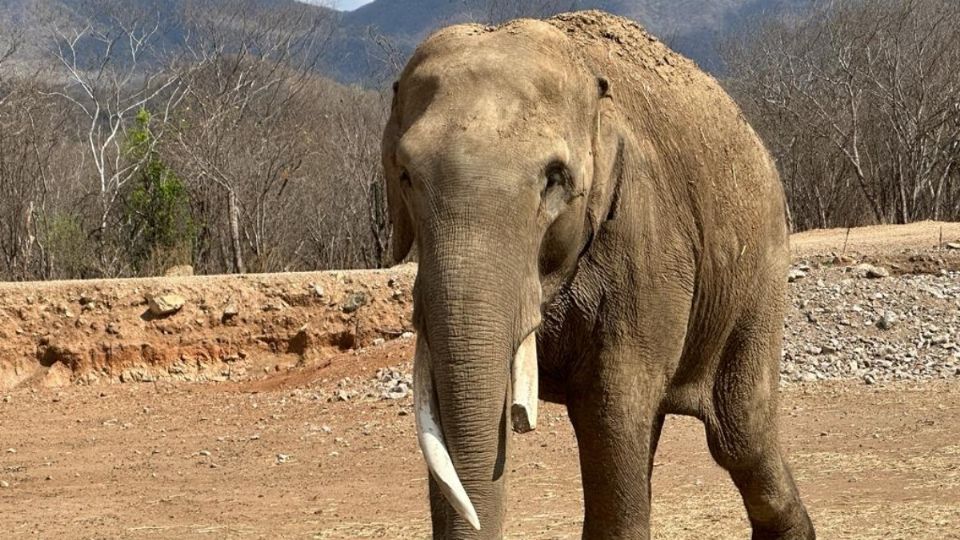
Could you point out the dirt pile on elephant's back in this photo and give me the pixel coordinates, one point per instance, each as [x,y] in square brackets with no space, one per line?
[193,328]
[628,44]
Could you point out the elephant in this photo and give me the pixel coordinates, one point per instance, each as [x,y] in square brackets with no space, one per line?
[595,225]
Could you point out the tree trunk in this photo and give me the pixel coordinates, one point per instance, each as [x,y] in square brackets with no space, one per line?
[233,214]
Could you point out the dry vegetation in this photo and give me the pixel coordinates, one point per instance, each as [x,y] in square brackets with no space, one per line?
[859,103]
[136,142]
[123,156]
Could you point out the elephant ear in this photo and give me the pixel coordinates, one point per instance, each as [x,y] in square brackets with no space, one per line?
[402,235]
[608,154]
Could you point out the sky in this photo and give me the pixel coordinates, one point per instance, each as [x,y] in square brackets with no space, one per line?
[347,5]
[342,5]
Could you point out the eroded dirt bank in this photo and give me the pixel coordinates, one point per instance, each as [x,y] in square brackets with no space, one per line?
[229,327]
[240,327]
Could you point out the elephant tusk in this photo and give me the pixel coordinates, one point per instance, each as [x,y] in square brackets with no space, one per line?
[523,412]
[430,436]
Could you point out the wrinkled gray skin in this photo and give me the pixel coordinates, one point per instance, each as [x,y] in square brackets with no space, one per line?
[556,181]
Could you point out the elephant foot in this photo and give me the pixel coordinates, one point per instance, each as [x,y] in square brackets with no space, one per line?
[798,528]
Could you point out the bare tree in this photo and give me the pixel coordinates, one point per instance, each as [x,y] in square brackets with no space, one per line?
[112,72]
[859,97]
[242,133]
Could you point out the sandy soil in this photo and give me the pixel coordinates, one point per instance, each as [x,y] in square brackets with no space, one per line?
[879,239]
[258,449]
[268,460]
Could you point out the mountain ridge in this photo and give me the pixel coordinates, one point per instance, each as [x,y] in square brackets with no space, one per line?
[695,28]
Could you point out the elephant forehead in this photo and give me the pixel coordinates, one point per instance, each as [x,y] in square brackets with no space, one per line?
[498,64]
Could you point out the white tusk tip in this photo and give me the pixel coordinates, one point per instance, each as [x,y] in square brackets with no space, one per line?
[474,522]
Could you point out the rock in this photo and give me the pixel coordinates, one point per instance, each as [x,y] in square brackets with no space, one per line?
[406,335]
[399,391]
[870,271]
[795,274]
[887,321]
[282,458]
[869,379]
[4,484]
[318,290]
[952,245]
[229,312]
[165,305]
[204,453]
[279,305]
[354,302]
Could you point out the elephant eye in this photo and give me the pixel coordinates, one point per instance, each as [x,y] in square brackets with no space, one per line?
[405,177]
[556,175]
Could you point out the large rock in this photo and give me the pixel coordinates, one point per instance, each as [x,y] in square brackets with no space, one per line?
[795,274]
[165,305]
[872,272]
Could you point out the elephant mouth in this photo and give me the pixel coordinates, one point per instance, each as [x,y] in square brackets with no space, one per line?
[523,413]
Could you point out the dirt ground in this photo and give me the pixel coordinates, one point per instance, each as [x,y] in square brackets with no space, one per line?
[171,460]
[876,240]
[273,456]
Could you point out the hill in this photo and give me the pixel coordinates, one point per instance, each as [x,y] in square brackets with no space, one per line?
[693,27]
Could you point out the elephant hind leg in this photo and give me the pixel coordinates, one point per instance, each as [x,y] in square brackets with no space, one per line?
[743,439]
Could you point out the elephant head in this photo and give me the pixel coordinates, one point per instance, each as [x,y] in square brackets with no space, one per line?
[501,158]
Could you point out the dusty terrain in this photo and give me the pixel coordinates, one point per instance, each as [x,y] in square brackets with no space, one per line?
[263,408]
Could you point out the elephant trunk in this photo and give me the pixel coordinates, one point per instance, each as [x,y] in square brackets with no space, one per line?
[475,338]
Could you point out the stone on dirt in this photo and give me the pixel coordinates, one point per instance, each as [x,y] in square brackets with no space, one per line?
[167,304]
[871,272]
[229,312]
[354,302]
[887,321]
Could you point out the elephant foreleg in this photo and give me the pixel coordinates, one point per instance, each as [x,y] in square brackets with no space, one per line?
[654,441]
[616,424]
